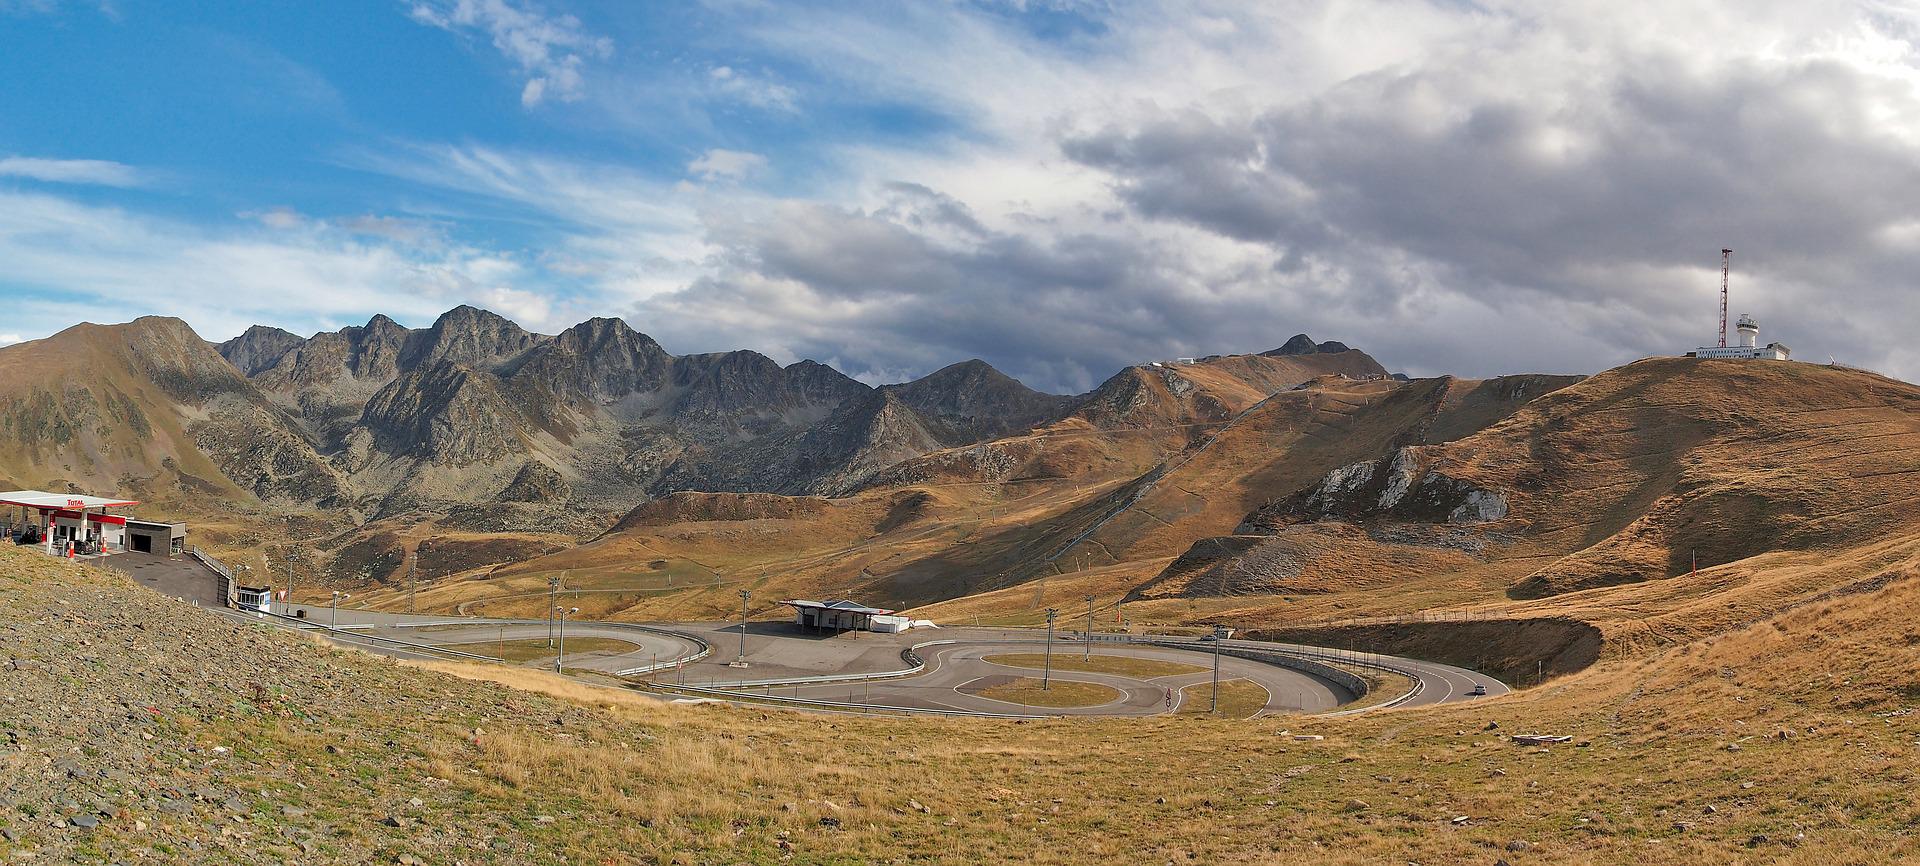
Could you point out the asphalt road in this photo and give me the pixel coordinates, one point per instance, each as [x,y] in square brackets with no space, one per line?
[784,660]
[953,672]
[1439,684]
[650,646]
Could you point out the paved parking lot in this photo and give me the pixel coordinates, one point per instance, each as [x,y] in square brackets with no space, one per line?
[178,576]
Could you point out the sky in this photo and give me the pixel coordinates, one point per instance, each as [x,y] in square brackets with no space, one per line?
[1060,188]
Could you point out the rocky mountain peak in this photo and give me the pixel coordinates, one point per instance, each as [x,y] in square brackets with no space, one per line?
[468,335]
[971,401]
[1301,344]
[259,348]
[602,358]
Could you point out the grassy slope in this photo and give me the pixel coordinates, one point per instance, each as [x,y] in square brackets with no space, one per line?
[630,780]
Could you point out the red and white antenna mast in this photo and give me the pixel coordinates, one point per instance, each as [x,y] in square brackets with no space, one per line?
[1726,258]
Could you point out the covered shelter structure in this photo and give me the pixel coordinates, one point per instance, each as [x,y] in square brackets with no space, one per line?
[66,522]
[841,615]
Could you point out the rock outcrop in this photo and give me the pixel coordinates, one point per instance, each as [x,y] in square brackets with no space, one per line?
[1401,487]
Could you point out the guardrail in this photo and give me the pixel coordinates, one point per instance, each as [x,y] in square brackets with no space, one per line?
[221,569]
[706,649]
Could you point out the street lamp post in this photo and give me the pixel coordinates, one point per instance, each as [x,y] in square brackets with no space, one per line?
[333,622]
[1219,635]
[741,660]
[562,615]
[553,604]
[1046,670]
[1087,654]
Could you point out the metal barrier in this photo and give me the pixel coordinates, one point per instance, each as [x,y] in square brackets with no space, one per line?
[219,568]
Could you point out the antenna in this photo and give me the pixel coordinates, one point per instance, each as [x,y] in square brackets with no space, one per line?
[1726,259]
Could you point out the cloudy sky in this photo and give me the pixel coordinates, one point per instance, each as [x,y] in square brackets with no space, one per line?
[1058,187]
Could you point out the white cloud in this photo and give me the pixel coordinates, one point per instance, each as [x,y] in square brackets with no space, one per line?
[283,218]
[9,339]
[115,265]
[75,171]
[755,90]
[550,50]
[719,164]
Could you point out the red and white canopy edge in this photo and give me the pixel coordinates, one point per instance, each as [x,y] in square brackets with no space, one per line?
[43,499]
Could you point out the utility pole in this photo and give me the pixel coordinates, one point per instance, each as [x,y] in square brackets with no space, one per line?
[741,660]
[289,560]
[1046,672]
[1219,635]
[411,562]
[553,604]
[1088,655]
[333,622]
[562,614]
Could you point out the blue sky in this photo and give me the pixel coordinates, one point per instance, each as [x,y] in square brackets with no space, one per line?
[1058,187]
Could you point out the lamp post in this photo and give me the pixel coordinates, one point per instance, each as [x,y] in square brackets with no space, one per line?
[741,660]
[1046,670]
[562,615]
[1219,635]
[333,622]
[1087,654]
[553,604]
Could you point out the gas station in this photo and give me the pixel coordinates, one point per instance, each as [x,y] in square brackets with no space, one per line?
[73,524]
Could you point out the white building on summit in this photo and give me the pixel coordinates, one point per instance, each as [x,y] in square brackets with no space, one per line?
[1749,345]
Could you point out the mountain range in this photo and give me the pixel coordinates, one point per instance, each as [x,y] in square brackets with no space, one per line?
[380,419]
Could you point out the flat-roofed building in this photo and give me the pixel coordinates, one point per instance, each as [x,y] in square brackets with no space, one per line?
[841,615]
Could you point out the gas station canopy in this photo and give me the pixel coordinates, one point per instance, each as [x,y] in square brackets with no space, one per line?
[43,499]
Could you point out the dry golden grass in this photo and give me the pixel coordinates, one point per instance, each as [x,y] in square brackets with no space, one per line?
[1055,694]
[1126,666]
[1239,698]
[536,648]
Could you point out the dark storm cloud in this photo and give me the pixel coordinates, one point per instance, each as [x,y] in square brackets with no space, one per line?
[1528,192]
[918,283]
[1574,202]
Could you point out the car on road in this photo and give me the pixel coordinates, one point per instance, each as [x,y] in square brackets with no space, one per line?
[1478,690]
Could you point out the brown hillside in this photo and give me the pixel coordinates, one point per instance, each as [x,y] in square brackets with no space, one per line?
[1634,471]
[148,410]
